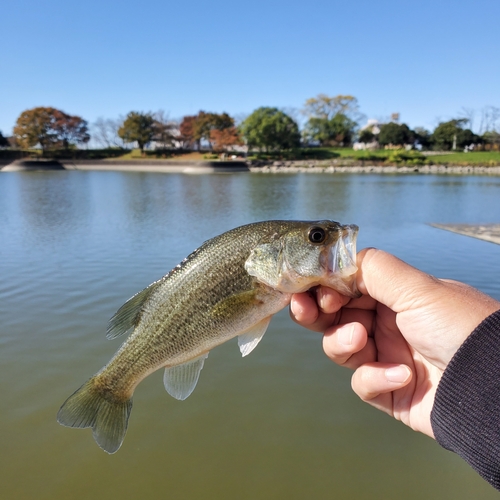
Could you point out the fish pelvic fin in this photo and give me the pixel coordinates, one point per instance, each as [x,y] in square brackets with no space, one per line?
[87,407]
[247,341]
[129,313]
[180,380]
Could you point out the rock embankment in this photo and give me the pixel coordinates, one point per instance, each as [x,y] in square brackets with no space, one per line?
[277,167]
[291,167]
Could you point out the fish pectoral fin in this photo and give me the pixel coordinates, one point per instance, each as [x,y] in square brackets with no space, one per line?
[228,307]
[248,340]
[129,313]
[264,263]
[181,380]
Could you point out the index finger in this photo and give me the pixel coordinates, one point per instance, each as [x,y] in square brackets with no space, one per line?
[305,311]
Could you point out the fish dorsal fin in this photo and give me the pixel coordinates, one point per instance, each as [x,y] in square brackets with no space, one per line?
[248,340]
[129,313]
[181,380]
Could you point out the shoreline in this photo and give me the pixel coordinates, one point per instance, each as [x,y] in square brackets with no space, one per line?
[276,167]
[378,169]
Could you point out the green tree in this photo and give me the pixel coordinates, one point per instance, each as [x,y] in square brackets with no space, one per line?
[4,143]
[492,138]
[336,131]
[50,128]
[270,129]
[422,137]
[138,127]
[395,133]
[366,135]
[452,134]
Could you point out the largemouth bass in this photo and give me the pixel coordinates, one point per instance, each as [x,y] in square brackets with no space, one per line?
[230,286]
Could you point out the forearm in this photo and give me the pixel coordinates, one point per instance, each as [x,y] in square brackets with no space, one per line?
[466,413]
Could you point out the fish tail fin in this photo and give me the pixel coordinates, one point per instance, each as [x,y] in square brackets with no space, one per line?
[87,407]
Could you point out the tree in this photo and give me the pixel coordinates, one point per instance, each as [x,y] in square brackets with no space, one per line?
[366,135]
[4,143]
[197,128]
[490,119]
[34,126]
[452,135]
[137,127]
[422,137]
[205,123]
[270,129]
[70,129]
[335,131]
[396,134]
[323,106]
[105,132]
[163,128]
[50,128]
[332,120]
[492,138]
[223,139]
[186,132]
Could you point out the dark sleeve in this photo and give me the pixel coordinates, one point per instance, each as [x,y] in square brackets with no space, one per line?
[466,413]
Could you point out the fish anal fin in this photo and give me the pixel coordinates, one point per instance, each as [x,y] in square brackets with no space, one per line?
[129,313]
[181,380]
[248,340]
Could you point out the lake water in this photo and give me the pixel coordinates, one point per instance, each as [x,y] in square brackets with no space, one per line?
[282,423]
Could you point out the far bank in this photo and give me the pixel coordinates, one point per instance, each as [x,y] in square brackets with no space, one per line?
[263,167]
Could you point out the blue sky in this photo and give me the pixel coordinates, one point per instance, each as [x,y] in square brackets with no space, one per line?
[426,60]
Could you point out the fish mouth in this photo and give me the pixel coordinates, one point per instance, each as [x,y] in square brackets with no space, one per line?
[342,256]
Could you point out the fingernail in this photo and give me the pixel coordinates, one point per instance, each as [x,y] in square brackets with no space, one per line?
[345,335]
[398,374]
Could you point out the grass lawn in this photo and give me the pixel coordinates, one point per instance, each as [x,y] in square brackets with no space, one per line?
[455,158]
[485,158]
[381,156]
[360,155]
[172,155]
[489,158]
[320,154]
[157,155]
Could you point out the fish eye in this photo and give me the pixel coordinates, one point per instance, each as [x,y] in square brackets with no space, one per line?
[317,235]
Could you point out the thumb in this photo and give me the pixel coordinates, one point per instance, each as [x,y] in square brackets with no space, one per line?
[391,281]
[435,316]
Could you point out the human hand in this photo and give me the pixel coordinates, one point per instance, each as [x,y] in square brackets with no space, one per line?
[399,336]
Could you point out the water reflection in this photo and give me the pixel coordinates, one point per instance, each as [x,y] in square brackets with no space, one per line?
[52,210]
[279,424]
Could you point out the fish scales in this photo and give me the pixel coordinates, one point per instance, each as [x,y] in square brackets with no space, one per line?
[186,309]
[230,286]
